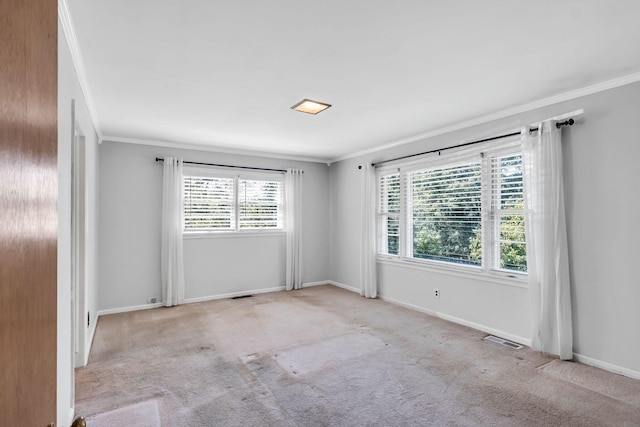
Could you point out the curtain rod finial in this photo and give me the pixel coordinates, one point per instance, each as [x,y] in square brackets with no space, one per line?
[569,122]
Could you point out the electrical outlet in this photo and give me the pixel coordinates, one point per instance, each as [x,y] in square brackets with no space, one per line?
[436,292]
[152,300]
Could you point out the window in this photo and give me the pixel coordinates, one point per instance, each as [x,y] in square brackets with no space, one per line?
[208,203]
[446,214]
[259,204]
[465,211]
[219,200]
[507,213]
[390,213]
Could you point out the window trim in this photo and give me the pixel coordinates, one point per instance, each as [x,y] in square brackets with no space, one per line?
[468,271]
[232,234]
[493,221]
[237,176]
[485,152]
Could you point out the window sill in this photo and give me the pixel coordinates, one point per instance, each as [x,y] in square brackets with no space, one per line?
[469,272]
[231,234]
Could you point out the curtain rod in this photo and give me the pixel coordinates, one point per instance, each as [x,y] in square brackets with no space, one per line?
[569,122]
[160,159]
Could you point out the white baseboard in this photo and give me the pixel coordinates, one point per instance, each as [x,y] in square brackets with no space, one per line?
[127,309]
[320,283]
[92,334]
[190,300]
[607,366]
[524,341]
[233,294]
[463,322]
[578,357]
[220,296]
[343,286]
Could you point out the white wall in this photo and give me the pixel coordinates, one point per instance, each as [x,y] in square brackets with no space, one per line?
[68,89]
[601,155]
[213,266]
[130,222]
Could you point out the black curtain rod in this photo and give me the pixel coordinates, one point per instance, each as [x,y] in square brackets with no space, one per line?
[160,159]
[569,122]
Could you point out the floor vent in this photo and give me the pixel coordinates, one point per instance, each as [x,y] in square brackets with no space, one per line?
[241,296]
[503,342]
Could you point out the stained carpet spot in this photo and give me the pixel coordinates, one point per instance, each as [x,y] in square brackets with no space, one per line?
[143,414]
[310,358]
[248,358]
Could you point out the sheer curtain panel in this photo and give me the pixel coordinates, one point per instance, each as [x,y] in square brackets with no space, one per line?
[293,218]
[546,238]
[172,219]
[368,279]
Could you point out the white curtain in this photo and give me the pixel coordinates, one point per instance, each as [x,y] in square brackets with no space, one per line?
[172,215]
[546,238]
[368,279]
[293,218]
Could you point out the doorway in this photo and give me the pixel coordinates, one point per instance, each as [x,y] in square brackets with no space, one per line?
[79,320]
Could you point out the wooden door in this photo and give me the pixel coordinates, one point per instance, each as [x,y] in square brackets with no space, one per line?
[28,219]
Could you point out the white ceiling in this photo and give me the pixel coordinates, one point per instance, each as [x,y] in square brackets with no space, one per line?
[224,73]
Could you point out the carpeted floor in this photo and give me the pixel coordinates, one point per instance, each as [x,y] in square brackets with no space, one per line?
[323,356]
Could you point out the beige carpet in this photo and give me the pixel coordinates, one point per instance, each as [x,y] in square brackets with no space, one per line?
[323,356]
[143,414]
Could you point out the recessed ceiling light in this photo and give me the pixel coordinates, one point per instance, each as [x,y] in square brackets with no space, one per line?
[310,107]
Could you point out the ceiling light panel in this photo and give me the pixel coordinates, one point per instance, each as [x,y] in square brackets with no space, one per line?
[310,107]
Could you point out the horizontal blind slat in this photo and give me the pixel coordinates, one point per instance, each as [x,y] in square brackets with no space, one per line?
[260,204]
[445,210]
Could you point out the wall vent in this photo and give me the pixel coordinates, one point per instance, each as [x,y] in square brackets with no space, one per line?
[242,296]
[503,342]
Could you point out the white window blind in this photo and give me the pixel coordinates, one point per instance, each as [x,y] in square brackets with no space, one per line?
[446,215]
[463,210]
[510,252]
[260,204]
[208,203]
[220,201]
[389,213]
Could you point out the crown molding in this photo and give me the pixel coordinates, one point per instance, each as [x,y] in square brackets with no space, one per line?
[70,35]
[544,102]
[212,148]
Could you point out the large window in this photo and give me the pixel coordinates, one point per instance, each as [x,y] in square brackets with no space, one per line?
[465,211]
[219,201]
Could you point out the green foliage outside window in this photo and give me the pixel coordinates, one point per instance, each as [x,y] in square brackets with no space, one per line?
[446,213]
[513,250]
[510,198]
[444,209]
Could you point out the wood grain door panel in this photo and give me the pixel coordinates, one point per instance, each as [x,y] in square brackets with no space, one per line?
[28,218]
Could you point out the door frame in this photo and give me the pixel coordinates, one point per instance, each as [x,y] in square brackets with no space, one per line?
[78,246]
